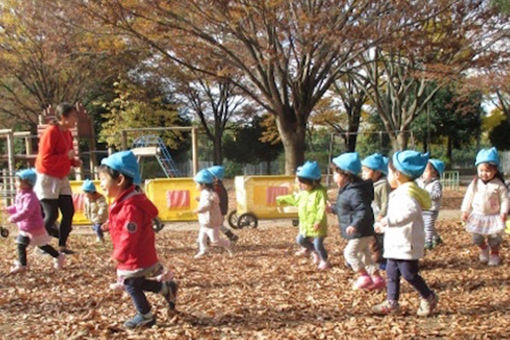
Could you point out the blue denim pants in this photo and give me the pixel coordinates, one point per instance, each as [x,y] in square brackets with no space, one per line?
[136,286]
[313,244]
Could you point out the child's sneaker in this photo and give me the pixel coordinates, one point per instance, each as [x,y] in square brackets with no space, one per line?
[302,252]
[169,292]
[323,265]
[17,268]
[140,320]
[484,255]
[199,254]
[378,283]
[58,262]
[363,282]
[387,307]
[427,305]
[494,260]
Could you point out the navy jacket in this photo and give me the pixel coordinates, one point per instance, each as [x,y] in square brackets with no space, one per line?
[353,207]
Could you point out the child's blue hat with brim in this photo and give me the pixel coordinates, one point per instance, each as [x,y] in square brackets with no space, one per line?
[309,170]
[349,162]
[438,165]
[376,162]
[28,175]
[204,176]
[487,156]
[410,162]
[88,186]
[124,162]
[217,171]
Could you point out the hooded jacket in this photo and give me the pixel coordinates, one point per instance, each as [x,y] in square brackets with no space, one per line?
[311,210]
[353,208]
[26,212]
[404,237]
[130,224]
[54,146]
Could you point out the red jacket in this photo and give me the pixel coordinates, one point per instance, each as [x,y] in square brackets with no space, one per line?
[130,224]
[54,146]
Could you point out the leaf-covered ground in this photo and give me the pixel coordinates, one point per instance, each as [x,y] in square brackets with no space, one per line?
[264,291]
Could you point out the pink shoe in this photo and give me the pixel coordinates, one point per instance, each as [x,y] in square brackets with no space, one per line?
[378,283]
[323,265]
[363,282]
[58,262]
[315,258]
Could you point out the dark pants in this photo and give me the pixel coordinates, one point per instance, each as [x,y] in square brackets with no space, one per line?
[409,270]
[64,203]
[23,242]
[136,286]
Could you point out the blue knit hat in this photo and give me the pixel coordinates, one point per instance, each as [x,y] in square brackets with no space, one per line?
[28,175]
[204,176]
[217,171]
[438,165]
[410,162]
[487,156]
[124,162]
[348,161]
[309,170]
[88,186]
[376,162]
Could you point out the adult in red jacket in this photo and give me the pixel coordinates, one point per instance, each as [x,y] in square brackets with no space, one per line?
[53,164]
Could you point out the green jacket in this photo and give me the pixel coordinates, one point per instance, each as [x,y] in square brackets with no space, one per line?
[311,210]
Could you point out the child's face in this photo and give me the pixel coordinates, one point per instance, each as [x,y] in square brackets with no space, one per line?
[305,186]
[486,171]
[367,173]
[21,185]
[90,195]
[429,172]
[393,176]
[340,179]
[110,186]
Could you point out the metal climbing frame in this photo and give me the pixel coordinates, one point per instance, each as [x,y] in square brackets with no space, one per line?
[162,154]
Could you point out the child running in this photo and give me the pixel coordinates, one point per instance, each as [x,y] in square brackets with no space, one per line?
[485,206]
[311,203]
[375,168]
[209,214]
[96,208]
[218,173]
[26,212]
[430,181]
[404,236]
[356,219]
[130,226]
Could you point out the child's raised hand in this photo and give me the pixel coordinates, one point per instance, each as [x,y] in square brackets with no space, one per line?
[316,226]
[350,230]
[329,209]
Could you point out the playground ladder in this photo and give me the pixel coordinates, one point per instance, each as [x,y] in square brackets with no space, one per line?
[163,156]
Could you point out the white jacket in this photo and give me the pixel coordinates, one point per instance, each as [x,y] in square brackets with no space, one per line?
[489,198]
[209,213]
[404,237]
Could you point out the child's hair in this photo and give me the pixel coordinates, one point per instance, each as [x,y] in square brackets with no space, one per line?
[26,181]
[380,175]
[64,110]
[208,186]
[115,174]
[308,181]
[350,176]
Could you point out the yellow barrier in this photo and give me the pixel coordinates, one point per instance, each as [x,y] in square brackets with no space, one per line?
[78,200]
[175,198]
[257,195]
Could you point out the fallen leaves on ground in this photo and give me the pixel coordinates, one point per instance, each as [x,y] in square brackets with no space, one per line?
[263,292]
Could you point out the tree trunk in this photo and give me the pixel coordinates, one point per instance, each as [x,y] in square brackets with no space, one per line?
[449,150]
[292,135]
[218,150]
[400,141]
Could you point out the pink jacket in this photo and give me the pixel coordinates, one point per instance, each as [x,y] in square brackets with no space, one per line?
[26,212]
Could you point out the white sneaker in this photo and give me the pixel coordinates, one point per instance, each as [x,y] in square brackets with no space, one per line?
[484,255]
[494,260]
[315,258]
[199,254]
[17,268]
[58,262]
